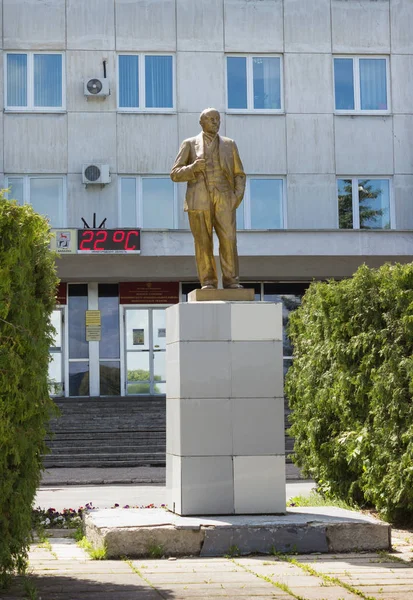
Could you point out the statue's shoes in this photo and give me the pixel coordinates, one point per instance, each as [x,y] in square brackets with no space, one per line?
[208,286]
[234,286]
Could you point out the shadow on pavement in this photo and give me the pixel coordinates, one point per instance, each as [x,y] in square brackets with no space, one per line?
[102,586]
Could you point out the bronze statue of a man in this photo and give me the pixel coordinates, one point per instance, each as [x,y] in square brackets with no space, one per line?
[212,168]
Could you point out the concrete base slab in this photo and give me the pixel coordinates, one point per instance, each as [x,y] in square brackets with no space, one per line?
[155,532]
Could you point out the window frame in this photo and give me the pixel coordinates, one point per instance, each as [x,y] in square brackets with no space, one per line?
[246,203]
[142,84]
[30,83]
[250,85]
[356,205]
[139,201]
[26,191]
[356,85]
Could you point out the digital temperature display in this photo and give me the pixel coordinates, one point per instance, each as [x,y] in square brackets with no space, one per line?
[109,241]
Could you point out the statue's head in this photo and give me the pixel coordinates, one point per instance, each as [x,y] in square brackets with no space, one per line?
[210,120]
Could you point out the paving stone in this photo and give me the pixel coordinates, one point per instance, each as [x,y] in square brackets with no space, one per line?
[187,578]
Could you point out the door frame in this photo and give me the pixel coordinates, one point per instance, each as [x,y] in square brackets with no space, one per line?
[123,351]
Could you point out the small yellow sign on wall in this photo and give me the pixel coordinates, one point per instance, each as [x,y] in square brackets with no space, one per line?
[93,317]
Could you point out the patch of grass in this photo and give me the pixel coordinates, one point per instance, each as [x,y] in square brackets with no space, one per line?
[30,589]
[98,553]
[44,542]
[156,551]
[326,578]
[138,572]
[233,551]
[385,556]
[281,586]
[316,499]
[78,534]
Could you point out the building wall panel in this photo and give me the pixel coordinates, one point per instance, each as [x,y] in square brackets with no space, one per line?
[91,24]
[401,15]
[146,143]
[401,76]
[147,25]
[253,25]
[308,83]
[261,142]
[311,202]
[361,26]
[200,81]
[35,143]
[92,139]
[82,65]
[310,144]
[364,145]
[34,24]
[83,202]
[200,25]
[403,148]
[403,195]
[307,30]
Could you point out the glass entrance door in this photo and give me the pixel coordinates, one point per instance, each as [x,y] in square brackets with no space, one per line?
[145,340]
[94,361]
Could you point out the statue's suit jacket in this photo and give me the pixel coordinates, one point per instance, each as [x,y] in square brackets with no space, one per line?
[197,194]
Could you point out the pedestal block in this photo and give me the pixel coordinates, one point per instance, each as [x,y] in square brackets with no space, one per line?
[225,408]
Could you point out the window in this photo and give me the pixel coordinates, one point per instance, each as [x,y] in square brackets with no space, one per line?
[45,193]
[34,81]
[148,202]
[263,204]
[254,83]
[364,203]
[146,82]
[360,84]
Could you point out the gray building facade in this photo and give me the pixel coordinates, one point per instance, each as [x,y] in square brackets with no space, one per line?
[318,96]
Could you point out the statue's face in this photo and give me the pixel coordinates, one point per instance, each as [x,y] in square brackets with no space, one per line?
[211,121]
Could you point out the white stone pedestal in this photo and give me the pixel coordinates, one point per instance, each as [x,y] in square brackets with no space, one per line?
[225,408]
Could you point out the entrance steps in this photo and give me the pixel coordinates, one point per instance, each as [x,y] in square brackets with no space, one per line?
[108,432]
[115,431]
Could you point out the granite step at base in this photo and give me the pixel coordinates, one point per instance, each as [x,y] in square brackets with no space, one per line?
[134,532]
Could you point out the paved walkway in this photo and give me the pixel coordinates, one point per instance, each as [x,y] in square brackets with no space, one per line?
[105,496]
[62,571]
[120,475]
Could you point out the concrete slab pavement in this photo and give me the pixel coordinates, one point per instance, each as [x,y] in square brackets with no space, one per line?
[105,496]
[55,575]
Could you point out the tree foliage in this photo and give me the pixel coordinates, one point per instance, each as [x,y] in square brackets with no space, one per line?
[351,385]
[27,297]
[367,195]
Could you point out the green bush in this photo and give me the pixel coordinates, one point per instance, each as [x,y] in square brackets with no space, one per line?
[350,388]
[27,297]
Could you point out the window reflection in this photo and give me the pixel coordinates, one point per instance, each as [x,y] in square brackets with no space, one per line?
[267,89]
[78,302]
[266,203]
[109,345]
[237,81]
[374,203]
[109,378]
[158,202]
[79,378]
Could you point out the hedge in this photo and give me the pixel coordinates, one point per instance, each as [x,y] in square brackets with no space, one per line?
[27,297]
[350,388]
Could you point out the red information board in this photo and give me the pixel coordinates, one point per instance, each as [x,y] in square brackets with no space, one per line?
[149,292]
[61,294]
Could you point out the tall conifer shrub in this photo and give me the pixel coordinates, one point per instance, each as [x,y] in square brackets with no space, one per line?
[27,298]
[351,387]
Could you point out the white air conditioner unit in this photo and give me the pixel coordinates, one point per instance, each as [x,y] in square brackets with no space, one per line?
[96,86]
[95,173]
